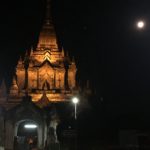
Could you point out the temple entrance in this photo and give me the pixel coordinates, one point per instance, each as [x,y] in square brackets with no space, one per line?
[46,86]
[26,137]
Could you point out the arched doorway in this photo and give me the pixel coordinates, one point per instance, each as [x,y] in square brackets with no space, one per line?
[26,134]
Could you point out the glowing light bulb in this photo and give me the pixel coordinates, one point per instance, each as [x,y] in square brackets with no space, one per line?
[75,100]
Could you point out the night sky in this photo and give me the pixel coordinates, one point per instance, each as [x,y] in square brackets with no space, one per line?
[109,50]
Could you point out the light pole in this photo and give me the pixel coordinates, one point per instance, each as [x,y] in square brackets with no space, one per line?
[75,100]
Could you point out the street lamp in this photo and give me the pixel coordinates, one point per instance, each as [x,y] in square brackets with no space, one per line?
[75,100]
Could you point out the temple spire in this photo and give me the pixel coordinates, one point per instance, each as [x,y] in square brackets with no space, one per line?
[48,17]
[47,37]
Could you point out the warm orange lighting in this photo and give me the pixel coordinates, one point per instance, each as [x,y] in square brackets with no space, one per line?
[46,72]
[47,56]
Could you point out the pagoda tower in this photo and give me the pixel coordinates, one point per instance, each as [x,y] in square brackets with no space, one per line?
[44,71]
[44,79]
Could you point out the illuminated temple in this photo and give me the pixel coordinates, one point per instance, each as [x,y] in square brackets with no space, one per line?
[47,73]
[40,94]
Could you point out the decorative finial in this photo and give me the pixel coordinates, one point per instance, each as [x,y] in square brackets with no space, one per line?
[14,87]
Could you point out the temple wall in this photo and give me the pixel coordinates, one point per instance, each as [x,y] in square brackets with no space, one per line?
[32,79]
[60,79]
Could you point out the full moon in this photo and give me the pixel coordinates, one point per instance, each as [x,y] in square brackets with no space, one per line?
[140,24]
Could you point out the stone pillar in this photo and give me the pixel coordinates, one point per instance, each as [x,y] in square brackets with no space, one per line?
[45,135]
[54,78]
[52,135]
[40,137]
[37,78]
[66,79]
[9,135]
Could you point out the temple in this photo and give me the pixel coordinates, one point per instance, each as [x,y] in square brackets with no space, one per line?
[37,111]
[46,71]
[40,95]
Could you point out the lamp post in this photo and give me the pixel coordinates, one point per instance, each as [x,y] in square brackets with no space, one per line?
[75,100]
